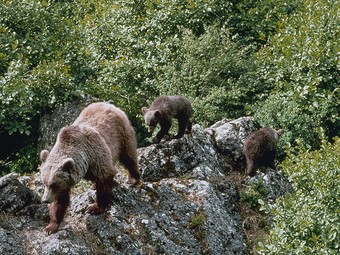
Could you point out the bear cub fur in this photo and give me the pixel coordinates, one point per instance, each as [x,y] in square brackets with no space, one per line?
[89,148]
[161,112]
[260,149]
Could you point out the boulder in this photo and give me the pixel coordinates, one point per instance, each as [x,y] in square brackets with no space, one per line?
[193,156]
[228,137]
[171,216]
[18,199]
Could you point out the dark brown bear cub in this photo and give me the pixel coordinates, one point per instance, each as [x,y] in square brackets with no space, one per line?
[260,149]
[89,148]
[161,112]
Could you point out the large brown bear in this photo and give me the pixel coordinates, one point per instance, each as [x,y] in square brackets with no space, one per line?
[260,149]
[161,112]
[89,148]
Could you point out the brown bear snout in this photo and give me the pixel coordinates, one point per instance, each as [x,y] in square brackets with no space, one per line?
[48,196]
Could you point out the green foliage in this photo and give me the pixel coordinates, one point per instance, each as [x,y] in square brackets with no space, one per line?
[301,66]
[255,192]
[307,221]
[196,222]
[41,64]
[39,60]
[25,160]
[131,51]
[213,70]
[256,20]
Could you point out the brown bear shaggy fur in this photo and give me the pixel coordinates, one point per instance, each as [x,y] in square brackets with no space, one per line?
[89,148]
[161,112]
[260,149]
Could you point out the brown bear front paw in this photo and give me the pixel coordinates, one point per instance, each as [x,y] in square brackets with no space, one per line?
[155,140]
[167,137]
[133,181]
[51,228]
[95,209]
[178,136]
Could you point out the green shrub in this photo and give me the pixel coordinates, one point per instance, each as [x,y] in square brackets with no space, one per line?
[196,223]
[129,52]
[301,64]
[256,20]
[25,160]
[307,221]
[213,70]
[252,194]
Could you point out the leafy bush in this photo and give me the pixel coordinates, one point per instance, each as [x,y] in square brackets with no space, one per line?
[256,191]
[301,64]
[307,221]
[41,64]
[213,70]
[256,20]
[129,52]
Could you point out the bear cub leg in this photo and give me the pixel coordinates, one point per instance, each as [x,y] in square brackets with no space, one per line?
[183,124]
[251,168]
[57,211]
[163,132]
[189,127]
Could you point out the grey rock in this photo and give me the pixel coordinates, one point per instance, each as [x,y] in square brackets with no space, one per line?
[62,242]
[171,216]
[193,156]
[11,242]
[228,137]
[17,199]
[276,184]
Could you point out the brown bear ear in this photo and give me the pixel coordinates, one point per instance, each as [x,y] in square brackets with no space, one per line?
[68,165]
[44,155]
[144,110]
[158,113]
[279,132]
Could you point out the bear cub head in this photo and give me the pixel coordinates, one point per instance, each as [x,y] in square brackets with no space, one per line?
[56,176]
[152,118]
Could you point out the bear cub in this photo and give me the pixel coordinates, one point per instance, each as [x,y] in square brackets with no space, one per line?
[89,148]
[161,112]
[260,149]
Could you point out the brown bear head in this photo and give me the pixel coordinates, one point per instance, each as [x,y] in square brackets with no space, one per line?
[56,175]
[277,133]
[152,118]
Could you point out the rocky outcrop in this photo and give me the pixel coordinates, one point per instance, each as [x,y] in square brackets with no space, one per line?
[193,156]
[186,204]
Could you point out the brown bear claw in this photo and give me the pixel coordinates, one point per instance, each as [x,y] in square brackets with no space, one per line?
[94,209]
[51,228]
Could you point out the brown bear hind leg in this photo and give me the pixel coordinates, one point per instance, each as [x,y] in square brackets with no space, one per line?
[268,160]
[57,211]
[104,195]
[189,127]
[129,160]
[251,168]
[165,127]
[182,124]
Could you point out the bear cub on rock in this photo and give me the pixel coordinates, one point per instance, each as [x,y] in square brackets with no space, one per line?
[260,149]
[89,148]
[161,112]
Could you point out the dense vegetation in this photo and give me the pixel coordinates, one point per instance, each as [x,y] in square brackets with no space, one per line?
[276,60]
[307,221]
